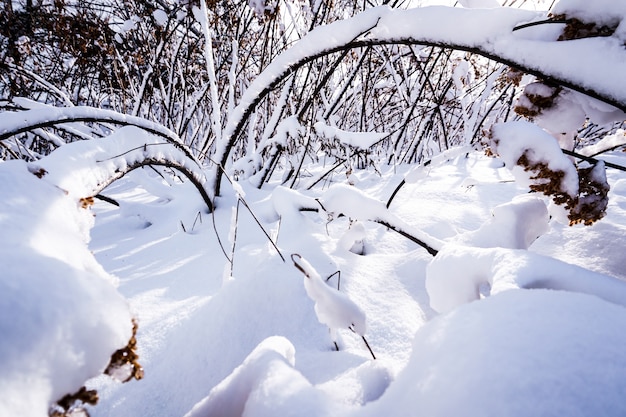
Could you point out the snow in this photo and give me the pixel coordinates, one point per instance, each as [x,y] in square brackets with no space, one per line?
[512,140]
[458,274]
[160,16]
[61,317]
[332,307]
[511,313]
[608,142]
[87,167]
[601,12]
[200,347]
[520,353]
[515,225]
[359,140]
[489,31]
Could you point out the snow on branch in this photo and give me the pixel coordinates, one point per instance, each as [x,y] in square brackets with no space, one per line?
[332,307]
[346,200]
[15,123]
[536,160]
[487,32]
[85,168]
[343,200]
[359,140]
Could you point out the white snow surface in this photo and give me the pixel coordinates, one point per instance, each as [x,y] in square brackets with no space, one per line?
[517,314]
[540,332]
[61,317]
[547,352]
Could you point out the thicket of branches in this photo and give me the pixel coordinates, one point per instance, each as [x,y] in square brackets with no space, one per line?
[185,65]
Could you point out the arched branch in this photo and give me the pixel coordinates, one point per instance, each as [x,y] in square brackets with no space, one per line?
[378,26]
[15,123]
[158,162]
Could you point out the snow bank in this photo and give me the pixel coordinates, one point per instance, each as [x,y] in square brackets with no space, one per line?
[458,274]
[517,354]
[515,225]
[265,384]
[61,318]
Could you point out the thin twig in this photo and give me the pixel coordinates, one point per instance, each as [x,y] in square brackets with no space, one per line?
[594,160]
[368,347]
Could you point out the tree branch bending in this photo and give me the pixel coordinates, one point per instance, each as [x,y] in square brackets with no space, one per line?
[384,26]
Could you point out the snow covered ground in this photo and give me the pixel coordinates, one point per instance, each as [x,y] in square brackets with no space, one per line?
[503,310]
[249,342]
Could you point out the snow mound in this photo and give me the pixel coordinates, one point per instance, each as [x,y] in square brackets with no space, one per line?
[521,353]
[514,225]
[61,317]
[458,274]
[265,384]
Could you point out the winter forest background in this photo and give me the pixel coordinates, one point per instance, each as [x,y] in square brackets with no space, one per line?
[312,208]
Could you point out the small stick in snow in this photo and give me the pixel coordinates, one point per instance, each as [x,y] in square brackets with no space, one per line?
[338,273]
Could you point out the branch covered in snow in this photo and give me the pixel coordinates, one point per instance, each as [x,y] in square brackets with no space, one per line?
[332,307]
[342,200]
[539,55]
[15,123]
[85,168]
[536,160]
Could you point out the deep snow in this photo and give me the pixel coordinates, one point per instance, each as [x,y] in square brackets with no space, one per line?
[522,352]
[516,315]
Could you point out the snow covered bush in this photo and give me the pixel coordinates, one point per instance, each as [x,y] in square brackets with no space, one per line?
[536,159]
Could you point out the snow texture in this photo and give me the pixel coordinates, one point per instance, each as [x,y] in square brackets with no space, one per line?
[520,353]
[61,318]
